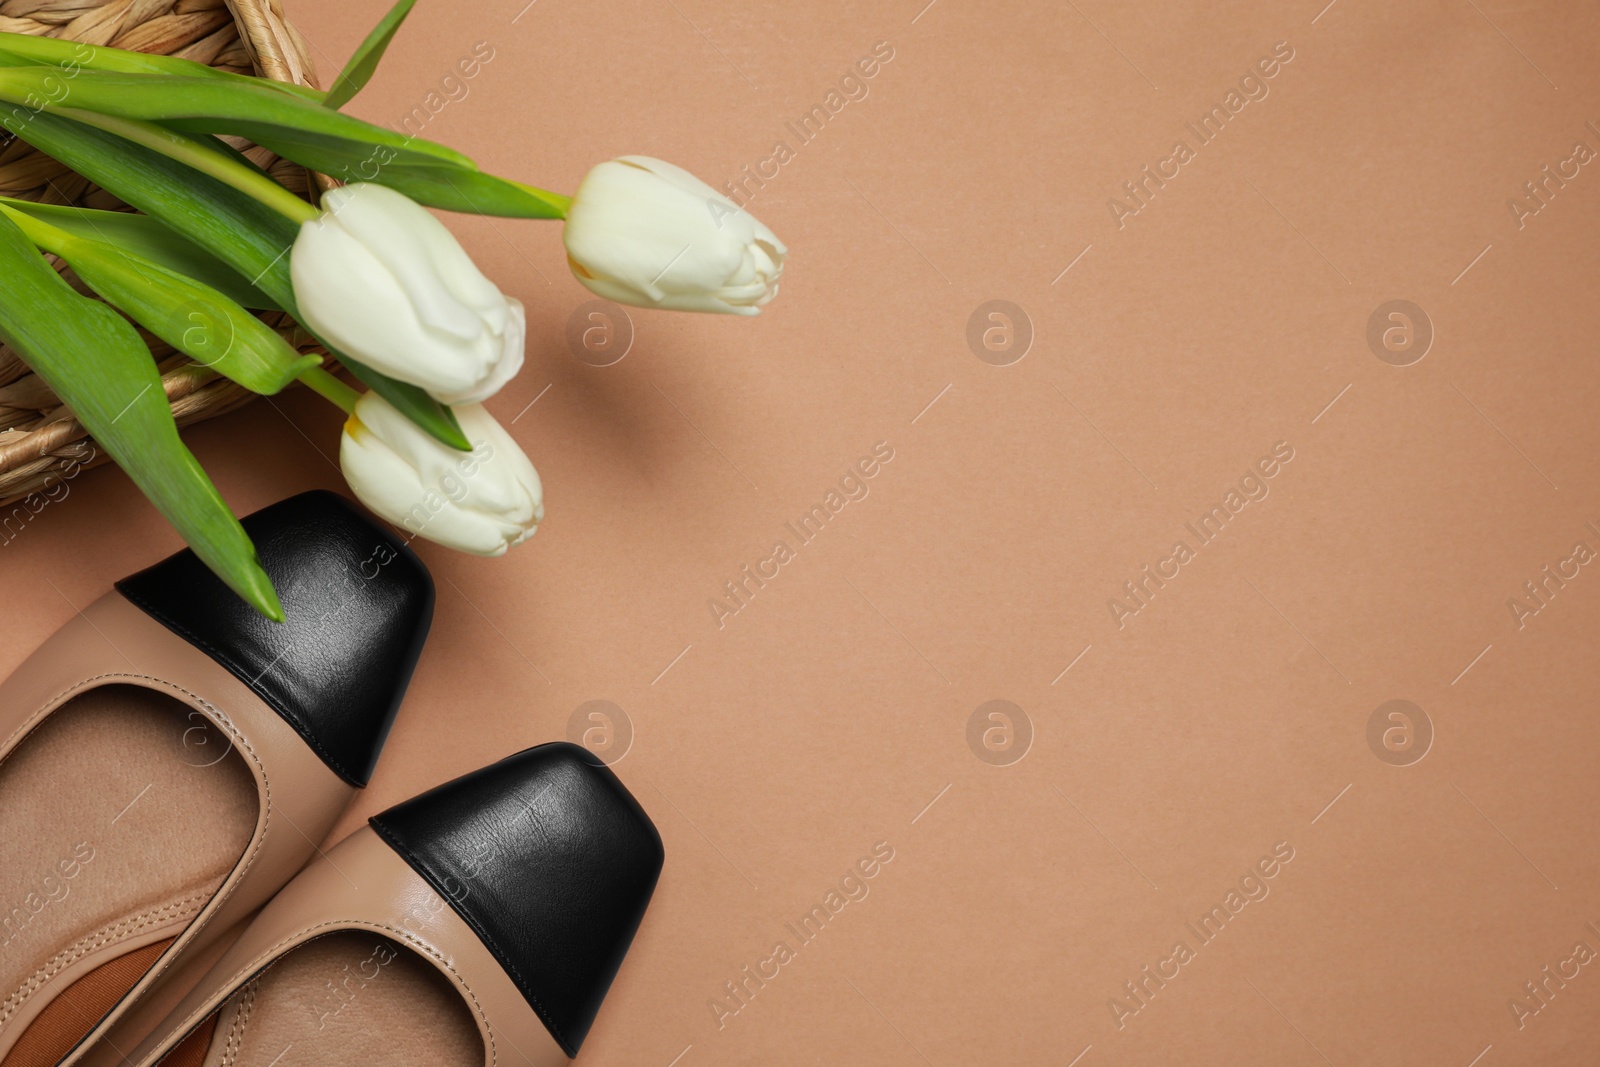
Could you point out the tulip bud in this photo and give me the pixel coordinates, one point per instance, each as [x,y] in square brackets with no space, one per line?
[378,277]
[647,233]
[482,501]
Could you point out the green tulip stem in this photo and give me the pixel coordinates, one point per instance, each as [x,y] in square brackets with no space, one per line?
[330,389]
[213,161]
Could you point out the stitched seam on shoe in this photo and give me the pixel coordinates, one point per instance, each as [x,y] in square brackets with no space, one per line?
[111,934]
[483,935]
[236,1028]
[234,878]
[269,956]
[238,671]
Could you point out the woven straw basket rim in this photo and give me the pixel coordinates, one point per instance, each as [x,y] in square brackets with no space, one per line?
[41,445]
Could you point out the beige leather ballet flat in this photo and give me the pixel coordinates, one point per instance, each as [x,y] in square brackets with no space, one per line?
[169,760]
[477,925]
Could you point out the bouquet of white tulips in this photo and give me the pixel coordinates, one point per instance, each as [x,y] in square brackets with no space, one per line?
[370,273]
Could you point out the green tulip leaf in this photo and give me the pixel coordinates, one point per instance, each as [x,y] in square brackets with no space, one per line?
[250,237]
[197,320]
[298,129]
[430,183]
[70,57]
[359,70]
[247,107]
[95,362]
[244,233]
[413,402]
[149,239]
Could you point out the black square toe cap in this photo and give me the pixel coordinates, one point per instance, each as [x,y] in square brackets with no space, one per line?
[550,860]
[357,606]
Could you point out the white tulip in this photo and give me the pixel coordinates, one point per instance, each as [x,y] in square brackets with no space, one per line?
[378,277]
[483,501]
[647,233]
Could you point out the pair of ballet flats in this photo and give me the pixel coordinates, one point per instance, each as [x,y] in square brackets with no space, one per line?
[170,762]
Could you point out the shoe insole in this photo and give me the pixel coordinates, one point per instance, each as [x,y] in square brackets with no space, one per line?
[350,997]
[120,815]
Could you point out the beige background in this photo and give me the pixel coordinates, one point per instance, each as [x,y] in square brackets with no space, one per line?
[1227,715]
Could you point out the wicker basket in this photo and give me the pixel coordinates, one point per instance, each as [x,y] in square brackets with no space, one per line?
[40,442]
